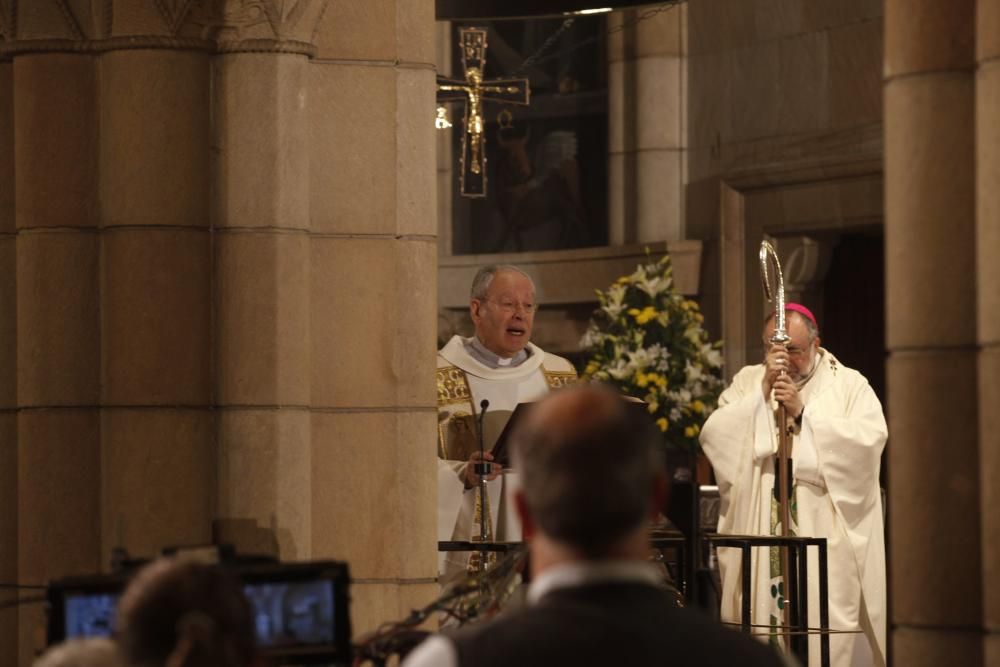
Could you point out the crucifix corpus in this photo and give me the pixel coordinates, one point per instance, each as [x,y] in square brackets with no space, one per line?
[474,91]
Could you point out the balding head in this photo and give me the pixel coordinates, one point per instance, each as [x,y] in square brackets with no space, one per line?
[589,468]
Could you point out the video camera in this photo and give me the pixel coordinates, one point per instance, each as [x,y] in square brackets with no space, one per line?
[301,610]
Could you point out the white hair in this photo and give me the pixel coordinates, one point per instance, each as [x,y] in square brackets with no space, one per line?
[485,275]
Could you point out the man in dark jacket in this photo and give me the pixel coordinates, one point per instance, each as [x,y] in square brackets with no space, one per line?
[590,483]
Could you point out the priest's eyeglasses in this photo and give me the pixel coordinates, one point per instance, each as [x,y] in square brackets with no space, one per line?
[511,307]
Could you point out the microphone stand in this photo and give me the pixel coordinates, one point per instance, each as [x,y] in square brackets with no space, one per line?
[483,468]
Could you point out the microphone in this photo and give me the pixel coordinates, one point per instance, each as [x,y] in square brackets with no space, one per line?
[484,467]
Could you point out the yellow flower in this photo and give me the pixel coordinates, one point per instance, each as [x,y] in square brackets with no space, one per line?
[663,424]
[591,368]
[648,313]
[652,406]
[691,431]
[624,280]
[641,379]
[661,382]
[698,406]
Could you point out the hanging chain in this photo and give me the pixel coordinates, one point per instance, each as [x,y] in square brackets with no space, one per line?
[530,60]
[536,57]
[647,14]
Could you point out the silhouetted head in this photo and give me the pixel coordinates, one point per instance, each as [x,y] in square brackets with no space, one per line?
[185,614]
[590,468]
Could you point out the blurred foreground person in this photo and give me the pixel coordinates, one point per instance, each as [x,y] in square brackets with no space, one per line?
[94,652]
[179,613]
[592,479]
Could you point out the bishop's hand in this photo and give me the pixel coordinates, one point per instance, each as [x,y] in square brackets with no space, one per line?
[776,363]
[469,475]
[787,394]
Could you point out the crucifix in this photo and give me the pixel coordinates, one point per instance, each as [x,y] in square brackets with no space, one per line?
[473,91]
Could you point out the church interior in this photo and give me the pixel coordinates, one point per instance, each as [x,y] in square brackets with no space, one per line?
[233,239]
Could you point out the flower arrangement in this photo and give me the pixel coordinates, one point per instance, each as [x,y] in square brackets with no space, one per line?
[648,340]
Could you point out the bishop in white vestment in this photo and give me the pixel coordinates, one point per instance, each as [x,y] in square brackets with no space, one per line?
[498,364]
[839,434]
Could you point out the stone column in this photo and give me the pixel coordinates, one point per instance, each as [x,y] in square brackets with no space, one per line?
[111,148]
[8,367]
[373,293]
[156,424]
[988,293]
[224,275]
[58,327]
[646,142]
[262,258]
[931,333]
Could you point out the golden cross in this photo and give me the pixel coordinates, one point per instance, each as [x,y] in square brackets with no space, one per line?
[473,91]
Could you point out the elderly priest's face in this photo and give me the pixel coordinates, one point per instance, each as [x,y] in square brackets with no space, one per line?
[503,319]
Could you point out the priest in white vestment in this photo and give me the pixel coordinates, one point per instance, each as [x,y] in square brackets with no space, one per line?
[501,365]
[839,432]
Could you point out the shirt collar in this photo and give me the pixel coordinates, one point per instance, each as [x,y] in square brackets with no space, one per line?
[478,351]
[580,573]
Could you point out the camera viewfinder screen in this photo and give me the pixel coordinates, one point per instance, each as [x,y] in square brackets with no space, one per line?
[292,613]
[90,615]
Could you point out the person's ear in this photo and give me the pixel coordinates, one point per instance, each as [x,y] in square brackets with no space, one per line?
[528,526]
[475,310]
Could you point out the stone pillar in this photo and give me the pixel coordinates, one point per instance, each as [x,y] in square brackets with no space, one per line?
[373,293]
[8,367]
[58,326]
[988,293]
[262,257]
[156,424]
[934,498]
[222,251]
[646,73]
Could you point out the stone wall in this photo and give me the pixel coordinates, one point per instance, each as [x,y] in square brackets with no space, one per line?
[217,289]
[781,96]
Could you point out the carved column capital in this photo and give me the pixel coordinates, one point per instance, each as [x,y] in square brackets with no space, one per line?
[259,25]
[220,26]
[805,261]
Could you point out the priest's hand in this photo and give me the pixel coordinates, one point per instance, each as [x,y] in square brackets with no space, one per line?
[786,393]
[776,363]
[469,475]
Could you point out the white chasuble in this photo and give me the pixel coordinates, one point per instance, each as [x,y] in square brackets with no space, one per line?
[462,384]
[836,457]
